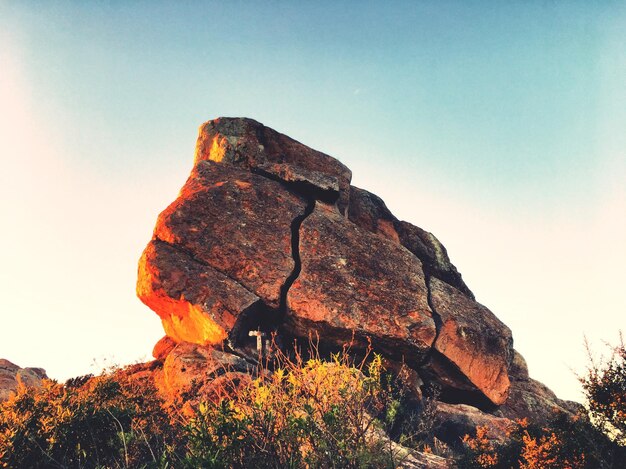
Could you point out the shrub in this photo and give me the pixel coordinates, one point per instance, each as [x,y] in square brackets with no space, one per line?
[106,421]
[604,386]
[589,441]
[297,412]
[527,447]
[306,413]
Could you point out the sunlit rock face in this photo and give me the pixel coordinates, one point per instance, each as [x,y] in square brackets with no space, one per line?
[268,234]
[12,377]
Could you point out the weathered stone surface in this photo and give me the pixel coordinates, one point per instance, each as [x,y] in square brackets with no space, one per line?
[268,233]
[518,370]
[354,281]
[248,144]
[188,368]
[196,303]
[237,222]
[534,401]
[453,421]
[432,253]
[470,340]
[369,211]
[12,376]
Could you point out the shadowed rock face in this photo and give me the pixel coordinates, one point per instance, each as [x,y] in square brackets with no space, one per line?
[269,234]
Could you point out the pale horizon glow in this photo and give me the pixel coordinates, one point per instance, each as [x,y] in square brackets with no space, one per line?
[498,129]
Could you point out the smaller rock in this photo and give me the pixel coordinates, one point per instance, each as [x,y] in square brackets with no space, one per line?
[518,368]
[454,421]
[472,341]
[189,367]
[12,377]
[163,347]
[534,401]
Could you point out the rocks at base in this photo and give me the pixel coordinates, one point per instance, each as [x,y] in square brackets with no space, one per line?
[530,399]
[194,371]
[12,377]
[534,401]
[453,421]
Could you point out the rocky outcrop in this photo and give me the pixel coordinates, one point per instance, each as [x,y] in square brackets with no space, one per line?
[12,377]
[268,234]
[194,371]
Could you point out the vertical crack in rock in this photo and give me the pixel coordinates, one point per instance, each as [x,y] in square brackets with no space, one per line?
[431,305]
[296,224]
[436,316]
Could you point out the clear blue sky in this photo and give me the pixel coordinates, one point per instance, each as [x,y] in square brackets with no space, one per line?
[498,126]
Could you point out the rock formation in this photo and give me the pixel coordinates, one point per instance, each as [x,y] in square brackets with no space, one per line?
[268,234]
[12,377]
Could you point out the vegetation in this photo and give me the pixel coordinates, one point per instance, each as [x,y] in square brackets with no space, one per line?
[605,390]
[296,412]
[301,413]
[593,440]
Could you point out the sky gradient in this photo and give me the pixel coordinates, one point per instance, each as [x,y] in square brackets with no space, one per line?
[499,128]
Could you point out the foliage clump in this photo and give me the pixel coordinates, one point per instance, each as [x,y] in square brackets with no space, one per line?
[111,420]
[604,386]
[591,440]
[295,412]
[306,413]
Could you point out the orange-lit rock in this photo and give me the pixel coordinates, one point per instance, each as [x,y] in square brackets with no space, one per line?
[12,377]
[196,303]
[269,234]
[246,143]
[236,222]
[163,347]
[471,341]
[354,281]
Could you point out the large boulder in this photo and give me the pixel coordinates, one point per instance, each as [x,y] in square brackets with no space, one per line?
[268,234]
[12,377]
